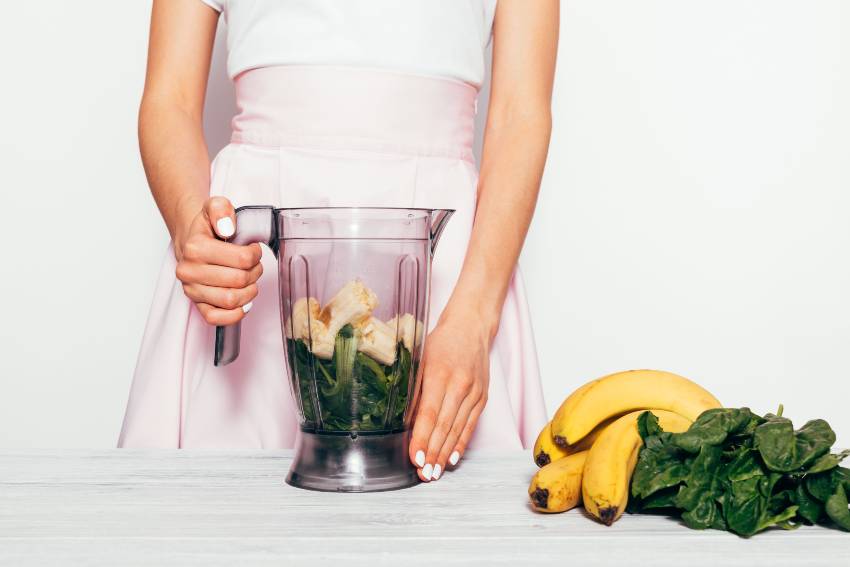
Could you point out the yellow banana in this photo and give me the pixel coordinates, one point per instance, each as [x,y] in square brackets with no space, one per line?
[559,440]
[611,461]
[623,392]
[557,486]
[546,451]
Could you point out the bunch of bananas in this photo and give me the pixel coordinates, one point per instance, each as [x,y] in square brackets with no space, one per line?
[587,453]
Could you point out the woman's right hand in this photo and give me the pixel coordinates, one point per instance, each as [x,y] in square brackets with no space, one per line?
[220,277]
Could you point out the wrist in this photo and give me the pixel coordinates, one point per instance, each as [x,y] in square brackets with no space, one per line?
[472,316]
[185,212]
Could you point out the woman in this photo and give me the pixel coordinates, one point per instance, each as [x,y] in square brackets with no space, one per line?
[355,103]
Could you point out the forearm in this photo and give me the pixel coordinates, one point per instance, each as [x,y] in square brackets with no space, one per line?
[176,162]
[514,155]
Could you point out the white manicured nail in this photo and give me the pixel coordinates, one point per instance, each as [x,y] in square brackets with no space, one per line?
[437,471]
[225,227]
[247,307]
[454,458]
[420,459]
[426,471]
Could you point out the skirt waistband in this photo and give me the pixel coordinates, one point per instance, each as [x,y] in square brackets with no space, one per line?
[350,108]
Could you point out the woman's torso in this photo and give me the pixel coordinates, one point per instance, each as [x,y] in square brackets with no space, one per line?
[443,38]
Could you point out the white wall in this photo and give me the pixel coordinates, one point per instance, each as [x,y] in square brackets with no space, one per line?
[694,214]
[81,237]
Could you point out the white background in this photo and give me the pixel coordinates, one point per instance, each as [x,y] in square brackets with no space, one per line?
[694,213]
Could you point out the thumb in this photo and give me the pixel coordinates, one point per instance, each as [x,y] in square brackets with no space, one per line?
[221,215]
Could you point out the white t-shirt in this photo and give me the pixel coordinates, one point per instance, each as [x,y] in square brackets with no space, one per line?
[444,38]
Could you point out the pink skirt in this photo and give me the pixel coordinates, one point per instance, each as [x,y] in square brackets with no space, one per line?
[324,136]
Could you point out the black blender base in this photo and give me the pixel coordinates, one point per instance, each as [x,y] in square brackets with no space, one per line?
[352,463]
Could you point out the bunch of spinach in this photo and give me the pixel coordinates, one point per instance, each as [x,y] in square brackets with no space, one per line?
[351,391]
[737,471]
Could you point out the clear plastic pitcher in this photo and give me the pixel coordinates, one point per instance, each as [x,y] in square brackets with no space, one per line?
[354,289]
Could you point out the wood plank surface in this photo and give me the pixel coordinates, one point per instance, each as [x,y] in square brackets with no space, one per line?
[123,507]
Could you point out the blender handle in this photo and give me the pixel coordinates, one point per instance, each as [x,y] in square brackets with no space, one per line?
[439,220]
[253,224]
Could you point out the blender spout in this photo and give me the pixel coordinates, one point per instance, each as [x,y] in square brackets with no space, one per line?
[439,220]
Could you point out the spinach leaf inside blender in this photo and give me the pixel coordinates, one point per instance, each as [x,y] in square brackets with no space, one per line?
[354,391]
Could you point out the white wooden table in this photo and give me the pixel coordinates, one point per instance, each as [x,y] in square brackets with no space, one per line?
[122,507]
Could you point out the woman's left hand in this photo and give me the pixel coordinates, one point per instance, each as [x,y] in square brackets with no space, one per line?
[456,376]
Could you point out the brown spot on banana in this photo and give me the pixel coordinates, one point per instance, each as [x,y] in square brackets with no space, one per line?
[560,441]
[542,459]
[608,514]
[540,498]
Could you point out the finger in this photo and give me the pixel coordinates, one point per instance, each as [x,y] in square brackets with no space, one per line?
[219,211]
[426,417]
[466,435]
[222,297]
[220,317]
[217,276]
[448,413]
[207,250]
[465,410]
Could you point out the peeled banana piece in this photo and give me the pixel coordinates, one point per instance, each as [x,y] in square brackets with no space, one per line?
[547,451]
[557,486]
[378,340]
[623,392]
[611,461]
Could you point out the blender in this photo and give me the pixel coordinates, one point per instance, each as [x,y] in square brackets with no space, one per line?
[354,288]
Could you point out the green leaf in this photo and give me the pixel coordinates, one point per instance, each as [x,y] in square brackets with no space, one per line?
[827,462]
[822,485]
[345,353]
[747,508]
[660,464]
[733,470]
[700,488]
[843,475]
[701,517]
[647,424]
[657,470]
[744,465]
[829,488]
[371,373]
[744,506]
[664,498]
[836,508]
[300,361]
[353,391]
[807,507]
[786,450]
[713,427]
[780,520]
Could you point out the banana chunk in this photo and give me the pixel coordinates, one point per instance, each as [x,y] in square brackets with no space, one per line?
[408,329]
[304,324]
[352,304]
[304,311]
[377,339]
[321,342]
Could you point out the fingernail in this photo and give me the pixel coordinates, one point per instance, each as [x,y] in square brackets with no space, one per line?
[420,459]
[426,471]
[437,471]
[454,458]
[247,307]
[224,227]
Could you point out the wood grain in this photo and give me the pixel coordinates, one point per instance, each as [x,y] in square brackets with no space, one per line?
[123,507]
